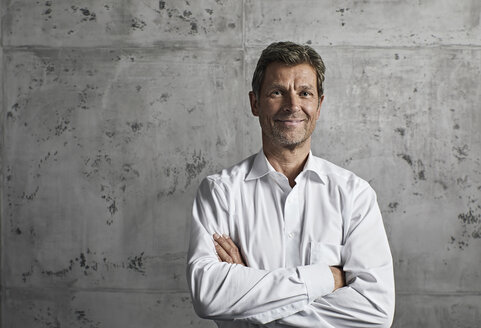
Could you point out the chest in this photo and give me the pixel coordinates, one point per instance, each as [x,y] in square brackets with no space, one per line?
[278,226]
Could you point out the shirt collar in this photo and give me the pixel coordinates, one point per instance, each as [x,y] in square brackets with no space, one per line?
[313,165]
[261,167]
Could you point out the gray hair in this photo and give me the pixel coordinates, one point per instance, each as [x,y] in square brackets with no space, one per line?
[288,53]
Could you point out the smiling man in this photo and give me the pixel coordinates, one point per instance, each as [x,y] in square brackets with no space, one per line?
[285,238]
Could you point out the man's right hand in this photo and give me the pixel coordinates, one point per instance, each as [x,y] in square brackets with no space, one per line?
[339,277]
[226,250]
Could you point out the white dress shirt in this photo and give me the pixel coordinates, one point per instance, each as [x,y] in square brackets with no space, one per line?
[289,237]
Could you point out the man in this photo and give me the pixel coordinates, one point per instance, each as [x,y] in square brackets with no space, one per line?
[284,238]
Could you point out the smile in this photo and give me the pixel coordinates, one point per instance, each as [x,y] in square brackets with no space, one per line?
[292,122]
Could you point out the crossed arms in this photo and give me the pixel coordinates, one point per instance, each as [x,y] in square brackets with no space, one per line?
[224,288]
[228,252]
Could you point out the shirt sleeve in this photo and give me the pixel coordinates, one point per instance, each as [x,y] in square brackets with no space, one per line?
[224,291]
[368,298]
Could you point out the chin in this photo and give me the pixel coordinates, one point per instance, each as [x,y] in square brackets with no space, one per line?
[291,141]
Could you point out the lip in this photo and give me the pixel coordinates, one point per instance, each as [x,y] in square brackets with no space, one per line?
[291,122]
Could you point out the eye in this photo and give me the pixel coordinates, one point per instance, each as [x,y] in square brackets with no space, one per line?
[306,94]
[276,93]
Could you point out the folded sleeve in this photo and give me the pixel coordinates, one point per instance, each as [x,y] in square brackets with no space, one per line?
[224,291]
[368,298]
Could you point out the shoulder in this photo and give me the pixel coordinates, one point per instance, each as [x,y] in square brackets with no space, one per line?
[335,175]
[231,175]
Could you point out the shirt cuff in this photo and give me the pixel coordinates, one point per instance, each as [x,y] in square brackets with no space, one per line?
[318,279]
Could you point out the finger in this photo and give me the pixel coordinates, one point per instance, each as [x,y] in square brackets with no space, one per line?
[234,251]
[223,243]
[222,254]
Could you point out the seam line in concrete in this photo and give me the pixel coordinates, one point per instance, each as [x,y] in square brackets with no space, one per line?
[180,291]
[241,48]
[439,293]
[128,47]
[101,289]
[392,47]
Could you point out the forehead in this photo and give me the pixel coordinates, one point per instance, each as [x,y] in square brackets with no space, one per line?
[281,73]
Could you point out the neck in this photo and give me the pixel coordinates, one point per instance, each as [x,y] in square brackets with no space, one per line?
[288,160]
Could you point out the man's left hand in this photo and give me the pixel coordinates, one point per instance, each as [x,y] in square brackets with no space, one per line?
[227,251]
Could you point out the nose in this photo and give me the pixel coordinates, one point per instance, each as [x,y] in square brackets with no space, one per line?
[291,102]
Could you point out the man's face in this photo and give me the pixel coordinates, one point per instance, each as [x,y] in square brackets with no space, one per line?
[288,104]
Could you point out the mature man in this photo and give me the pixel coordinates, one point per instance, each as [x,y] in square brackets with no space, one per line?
[285,238]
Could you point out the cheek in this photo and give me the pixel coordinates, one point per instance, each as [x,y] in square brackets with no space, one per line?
[312,110]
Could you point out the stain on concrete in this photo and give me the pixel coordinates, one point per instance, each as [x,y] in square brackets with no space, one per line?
[180,18]
[417,166]
[94,163]
[135,126]
[470,223]
[88,263]
[401,131]
[86,94]
[136,263]
[27,274]
[171,175]
[46,317]
[393,205]
[89,15]
[341,11]
[420,170]
[193,27]
[61,127]
[194,167]
[81,317]
[59,273]
[30,196]
[162,99]
[112,209]
[407,158]
[443,184]
[138,24]
[107,193]
[461,152]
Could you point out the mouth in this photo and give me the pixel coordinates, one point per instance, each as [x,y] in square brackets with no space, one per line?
[290,122]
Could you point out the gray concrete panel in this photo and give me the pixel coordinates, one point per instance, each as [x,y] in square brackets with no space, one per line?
[104,151]
[438,310]
[78,308]
[141,23]
[365,23]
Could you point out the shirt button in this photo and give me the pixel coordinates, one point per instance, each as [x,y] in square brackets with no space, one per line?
[290,235]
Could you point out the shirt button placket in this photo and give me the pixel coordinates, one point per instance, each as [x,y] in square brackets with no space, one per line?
[291,223]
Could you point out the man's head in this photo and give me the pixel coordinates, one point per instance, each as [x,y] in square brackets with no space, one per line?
[288,53]
[287,94]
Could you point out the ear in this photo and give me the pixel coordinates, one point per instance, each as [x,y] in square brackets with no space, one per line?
[254,104]
[319,107]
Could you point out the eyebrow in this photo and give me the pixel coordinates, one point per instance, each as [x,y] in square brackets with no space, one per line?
[280,86]
[275,86]
[306,87]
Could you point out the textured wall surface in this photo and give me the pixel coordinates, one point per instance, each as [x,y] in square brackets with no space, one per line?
[113,111]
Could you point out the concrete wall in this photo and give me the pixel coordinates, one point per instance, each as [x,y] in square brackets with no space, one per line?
[112,112]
